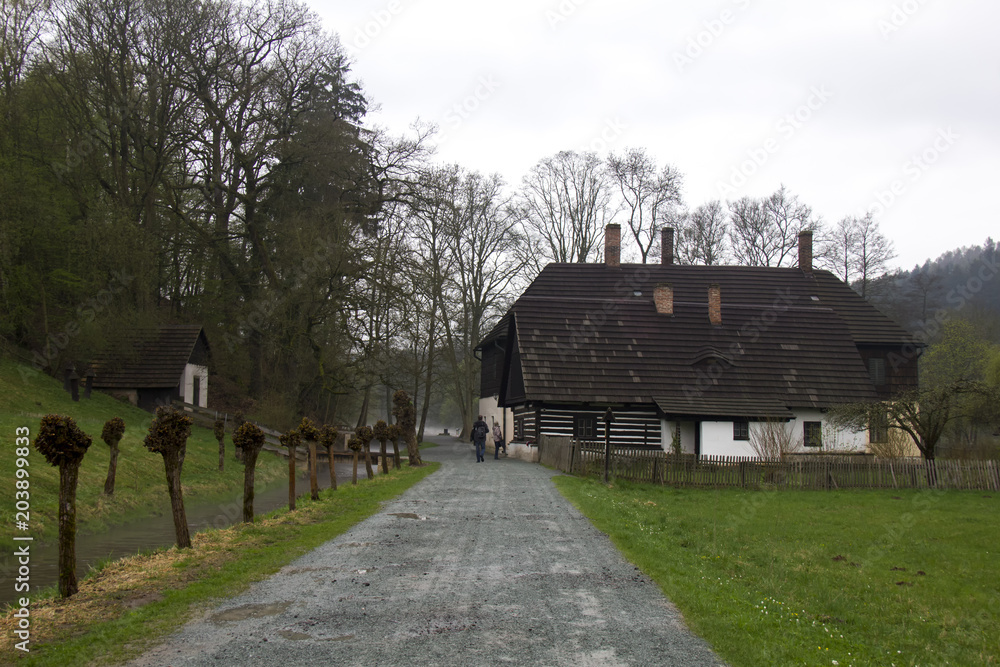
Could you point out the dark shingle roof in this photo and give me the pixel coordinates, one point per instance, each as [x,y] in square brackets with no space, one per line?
[587,332]
[154,358]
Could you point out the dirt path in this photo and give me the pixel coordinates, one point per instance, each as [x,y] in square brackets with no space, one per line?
[479,564]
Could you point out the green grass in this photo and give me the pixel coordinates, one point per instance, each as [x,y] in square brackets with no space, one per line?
[812,577]
[222,564]
[140,489]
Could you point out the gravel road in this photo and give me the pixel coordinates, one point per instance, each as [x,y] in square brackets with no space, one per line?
[479,564]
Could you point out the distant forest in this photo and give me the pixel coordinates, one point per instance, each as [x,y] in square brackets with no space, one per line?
[960,284]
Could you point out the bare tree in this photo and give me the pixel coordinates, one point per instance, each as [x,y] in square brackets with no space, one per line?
[857,251]
[702,235]
[764,232]
[649,197]
[873,252]
[21,25]
[771,439]
[484,236]
[564,203]
[839,248]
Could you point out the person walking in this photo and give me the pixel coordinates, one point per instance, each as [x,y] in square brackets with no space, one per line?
[498,441]
[479,432]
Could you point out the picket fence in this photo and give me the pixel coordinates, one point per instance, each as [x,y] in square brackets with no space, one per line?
[819,472]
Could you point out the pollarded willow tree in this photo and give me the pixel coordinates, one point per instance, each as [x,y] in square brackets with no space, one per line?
[63,444]
[167,437]
[291,440]
[112,434]
[219,431]
[355,445]
[250,439]
[365,435]
[381,433]
[328,436]
[394,434]
[309,433]
[406,420]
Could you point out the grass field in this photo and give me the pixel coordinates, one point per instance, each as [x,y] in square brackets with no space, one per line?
[813,577]
[140,488]
[125,607]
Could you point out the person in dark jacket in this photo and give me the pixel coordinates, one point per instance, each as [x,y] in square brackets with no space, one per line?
[480,430]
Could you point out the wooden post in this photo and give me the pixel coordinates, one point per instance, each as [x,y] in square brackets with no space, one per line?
[313,481]
[89,385]
[74,386]
[608,418]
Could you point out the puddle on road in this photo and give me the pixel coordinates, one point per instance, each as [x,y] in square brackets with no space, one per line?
[408,515]
[251,611]
[294,636]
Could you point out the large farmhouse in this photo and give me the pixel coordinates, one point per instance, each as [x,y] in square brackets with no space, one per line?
[690,356]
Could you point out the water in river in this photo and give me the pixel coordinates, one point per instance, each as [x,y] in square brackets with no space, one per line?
[154,532]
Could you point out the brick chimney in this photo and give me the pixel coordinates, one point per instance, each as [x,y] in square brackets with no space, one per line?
[612,245]
[806,251]
[715,304]
[667,246]
[663,297]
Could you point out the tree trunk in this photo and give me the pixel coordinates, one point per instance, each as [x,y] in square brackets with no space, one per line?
[222,453]
[368,460]
[313,481]
[354,476]
[173,463]
[333,468]
[248,483]
[109,483]
[69,473]
[255,350]
[395,455]
[413,450]
[291,478]
[384,461]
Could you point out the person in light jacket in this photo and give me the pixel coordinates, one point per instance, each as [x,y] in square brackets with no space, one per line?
[498,441]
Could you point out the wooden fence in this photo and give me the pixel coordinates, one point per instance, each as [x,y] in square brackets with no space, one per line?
[821,472]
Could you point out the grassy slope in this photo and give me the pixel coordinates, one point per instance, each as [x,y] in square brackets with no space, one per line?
[141,484]
[793,578]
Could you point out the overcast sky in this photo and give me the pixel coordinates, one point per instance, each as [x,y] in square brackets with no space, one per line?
[886,104]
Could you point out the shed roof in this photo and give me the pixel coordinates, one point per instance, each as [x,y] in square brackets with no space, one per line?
[152,357]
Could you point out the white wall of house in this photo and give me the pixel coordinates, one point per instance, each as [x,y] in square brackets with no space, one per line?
[687,436]
[833,439]
[187,384]
[717,437]
[717,440]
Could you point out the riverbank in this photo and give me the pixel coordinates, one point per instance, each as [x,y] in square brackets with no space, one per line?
[126,606]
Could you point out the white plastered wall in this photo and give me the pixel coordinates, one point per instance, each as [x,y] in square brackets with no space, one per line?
[187,384]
